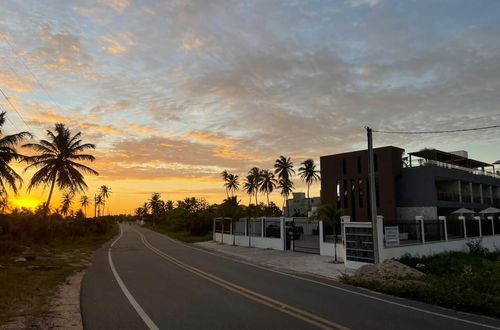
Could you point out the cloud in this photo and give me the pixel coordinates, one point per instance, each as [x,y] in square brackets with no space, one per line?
[114,47]
[371,3]
[118,5]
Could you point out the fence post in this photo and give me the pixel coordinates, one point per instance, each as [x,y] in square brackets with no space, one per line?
[380,238]
[321,239]
[343,220]
[445,226]
[492,225]
[282,233]
[463,222]
[480,229]
[213,230]
[246,226]
[262,227]
[422,231]
[222,233]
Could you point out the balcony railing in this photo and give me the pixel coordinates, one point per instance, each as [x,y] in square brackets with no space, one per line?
[429,162]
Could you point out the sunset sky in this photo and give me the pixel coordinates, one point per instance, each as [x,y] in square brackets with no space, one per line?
[174,92]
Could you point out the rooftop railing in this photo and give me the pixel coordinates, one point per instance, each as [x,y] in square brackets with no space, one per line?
[429,162]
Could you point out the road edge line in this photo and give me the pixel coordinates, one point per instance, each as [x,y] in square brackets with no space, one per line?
[142,314]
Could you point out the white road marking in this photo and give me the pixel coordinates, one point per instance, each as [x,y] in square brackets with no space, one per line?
[338,288]
[151,325]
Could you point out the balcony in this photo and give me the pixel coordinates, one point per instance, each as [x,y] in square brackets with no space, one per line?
[429,162]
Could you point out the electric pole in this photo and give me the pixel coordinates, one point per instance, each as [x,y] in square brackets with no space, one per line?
[372,192]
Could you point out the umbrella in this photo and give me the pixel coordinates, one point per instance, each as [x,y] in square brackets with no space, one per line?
[490,210]
[463,211]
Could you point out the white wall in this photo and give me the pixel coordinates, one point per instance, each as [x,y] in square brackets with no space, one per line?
[327,248]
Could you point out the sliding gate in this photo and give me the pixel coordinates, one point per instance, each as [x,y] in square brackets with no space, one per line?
[305,235]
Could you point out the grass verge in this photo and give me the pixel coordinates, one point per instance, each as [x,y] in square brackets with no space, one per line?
[183,236]
[27,287]
[462,281]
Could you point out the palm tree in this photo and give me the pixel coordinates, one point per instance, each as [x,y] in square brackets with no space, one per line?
[9,153]
[224,175]
[67,200]
[283,167]
[286,187]
[256,176]
[268,183]
[156,205]
[232,184]
[249,187]
[309,174]
[104,191]
[56,161]
[327,213]
[169,205]
[97,205]
[84,202]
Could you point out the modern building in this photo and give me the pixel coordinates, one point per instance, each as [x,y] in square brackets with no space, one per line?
[429,182]
[299,205]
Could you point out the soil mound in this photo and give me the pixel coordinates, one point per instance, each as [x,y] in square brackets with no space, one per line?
[388,270]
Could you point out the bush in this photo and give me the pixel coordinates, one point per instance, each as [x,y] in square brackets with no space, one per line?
[476,248]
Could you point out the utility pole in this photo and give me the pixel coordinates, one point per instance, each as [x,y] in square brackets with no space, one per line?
[373,198]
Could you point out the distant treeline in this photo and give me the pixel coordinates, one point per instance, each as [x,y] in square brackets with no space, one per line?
[195,216]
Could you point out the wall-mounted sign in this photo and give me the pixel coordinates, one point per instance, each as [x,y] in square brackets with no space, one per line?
[391,235]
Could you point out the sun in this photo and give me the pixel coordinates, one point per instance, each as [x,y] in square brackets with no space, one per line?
[28,203]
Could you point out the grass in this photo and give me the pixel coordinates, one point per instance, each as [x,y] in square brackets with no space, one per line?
[27,287]
[183,236]
[463,281]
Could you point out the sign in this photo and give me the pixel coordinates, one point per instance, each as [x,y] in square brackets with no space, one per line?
[391,235]
[359,243]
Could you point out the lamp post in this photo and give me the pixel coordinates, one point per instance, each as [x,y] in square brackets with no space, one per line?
[372,192]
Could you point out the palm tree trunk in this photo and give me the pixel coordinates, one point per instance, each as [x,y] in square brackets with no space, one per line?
[50,194]
[268,199]
[256,202]
[308,198]
[95,206]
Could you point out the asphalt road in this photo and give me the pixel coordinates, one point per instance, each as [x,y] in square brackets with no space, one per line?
[146,280]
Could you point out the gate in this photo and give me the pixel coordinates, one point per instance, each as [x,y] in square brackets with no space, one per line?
[305,235]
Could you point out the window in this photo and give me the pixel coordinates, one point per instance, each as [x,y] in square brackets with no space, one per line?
[360,193]
[338,194]
[359,164]
[346,193]
[344,167]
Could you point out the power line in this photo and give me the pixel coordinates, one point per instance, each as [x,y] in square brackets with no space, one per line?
[438,132]
[8,119]
[19,114]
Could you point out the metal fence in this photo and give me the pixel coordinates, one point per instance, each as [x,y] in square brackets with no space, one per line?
[272,227]
[486,229]
[218,226]
[434,230]
[472,228]
[254,227]
[410,231]
[328,232]
[239,227]
[497,225]
[455,228]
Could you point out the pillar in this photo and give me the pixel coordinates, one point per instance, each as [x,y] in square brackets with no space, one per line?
[460,191]
[492,225]
[420,219]
[480,229]
[445,227]
[465,227]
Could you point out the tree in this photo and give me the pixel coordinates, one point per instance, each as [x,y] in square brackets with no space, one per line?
[84,202]
[232,184]
[8,153]
[156,205]
[224,175]
[268,183]
[67,200]
[249,187]
[256,176]
[283,167]
[309,174]
[169,205]
[286,187]
[97,205]
[57,161]
[104,191]
[327,213]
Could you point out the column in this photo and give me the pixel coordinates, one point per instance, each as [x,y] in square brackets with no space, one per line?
[481,192]
[492,225]
[441,218]
[480,229]
[460,191]
[471,193]
[420,219]
[465,227]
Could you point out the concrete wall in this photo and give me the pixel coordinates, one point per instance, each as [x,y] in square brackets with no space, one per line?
[407,213]
[328,248]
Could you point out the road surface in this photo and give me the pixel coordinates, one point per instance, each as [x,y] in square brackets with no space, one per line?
[146,280]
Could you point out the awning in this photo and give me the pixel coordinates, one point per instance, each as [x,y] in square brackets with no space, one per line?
[463,211]
[490,210]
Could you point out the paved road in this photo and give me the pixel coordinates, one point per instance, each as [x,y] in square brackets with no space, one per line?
[146,280]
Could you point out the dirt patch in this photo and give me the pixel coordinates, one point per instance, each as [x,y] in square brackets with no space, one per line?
[388,270]
[64,310]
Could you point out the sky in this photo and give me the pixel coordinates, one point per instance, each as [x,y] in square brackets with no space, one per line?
[174,92]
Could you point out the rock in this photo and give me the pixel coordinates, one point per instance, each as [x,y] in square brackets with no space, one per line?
[1,266]
[20,259]
[389,269]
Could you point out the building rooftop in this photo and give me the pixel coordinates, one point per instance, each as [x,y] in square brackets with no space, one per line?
[449,158]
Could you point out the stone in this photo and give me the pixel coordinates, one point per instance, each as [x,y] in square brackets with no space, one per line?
[20,259]
[388,270]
